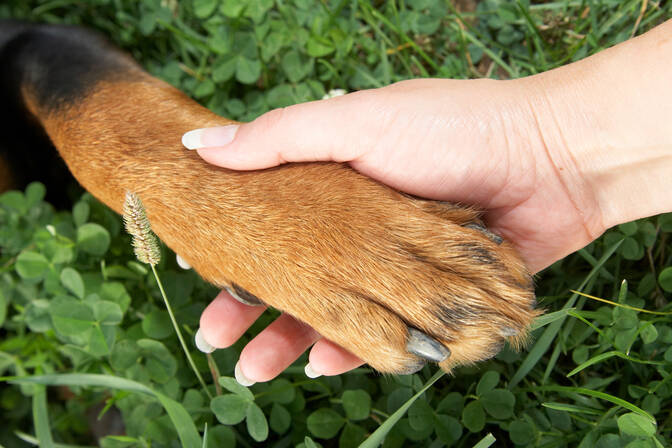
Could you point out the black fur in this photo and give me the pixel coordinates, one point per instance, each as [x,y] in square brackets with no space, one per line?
[56,65]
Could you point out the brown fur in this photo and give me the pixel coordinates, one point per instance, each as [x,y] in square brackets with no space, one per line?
[354,259]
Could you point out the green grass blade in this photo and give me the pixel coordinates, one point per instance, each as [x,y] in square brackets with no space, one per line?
[34,441]
[572,408]
[611,354]
[377,437]
[597,394]
[486,441]
[549,318]
[183,422]
[41,417]
[544,342]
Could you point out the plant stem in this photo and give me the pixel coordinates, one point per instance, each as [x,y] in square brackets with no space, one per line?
[179,333]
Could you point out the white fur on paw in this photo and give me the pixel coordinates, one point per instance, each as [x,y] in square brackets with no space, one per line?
[181,263]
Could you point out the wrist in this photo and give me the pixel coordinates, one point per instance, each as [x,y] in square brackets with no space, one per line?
[606,122]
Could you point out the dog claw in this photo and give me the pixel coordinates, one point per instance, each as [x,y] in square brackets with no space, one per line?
[425,346]
[242,295]
[493,236]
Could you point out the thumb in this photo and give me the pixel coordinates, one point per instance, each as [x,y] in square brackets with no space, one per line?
[336,129]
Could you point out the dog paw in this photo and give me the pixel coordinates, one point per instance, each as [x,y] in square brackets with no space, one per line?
[396,280]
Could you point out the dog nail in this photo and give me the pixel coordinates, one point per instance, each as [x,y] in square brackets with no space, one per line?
[240,377]
[209,137]
[507,332]
[202,344]
[310,372]
[181,263]
[241,295]
[425,346]
[493,236]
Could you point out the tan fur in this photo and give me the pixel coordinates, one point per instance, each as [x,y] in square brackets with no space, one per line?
[349,256]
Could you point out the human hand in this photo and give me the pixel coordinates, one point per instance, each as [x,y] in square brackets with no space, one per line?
[516,149]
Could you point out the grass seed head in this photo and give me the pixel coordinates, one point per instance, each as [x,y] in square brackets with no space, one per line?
[137,225]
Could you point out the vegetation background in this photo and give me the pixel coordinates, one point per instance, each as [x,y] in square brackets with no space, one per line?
[75,303]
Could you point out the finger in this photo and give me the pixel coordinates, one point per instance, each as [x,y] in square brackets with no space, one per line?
[275,348]
[326,130]
[225,320]
[327,358]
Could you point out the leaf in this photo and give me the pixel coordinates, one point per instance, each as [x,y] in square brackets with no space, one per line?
[357,404]
[473,416]
[488,381]
[635,425]
[31,265]
[448,429]
[224,69]
[280,418]
[420,416]
[73,282]
[649,333]
[182,421]
[157,324]
[317,47]
[280,391]
[229,409]
[71,317]
[352,435]
[325,423]
[665,279]
[80,213]
[204,8]
[93,239]
[257,426]
[35,192]
[247,71]
[377,437]
[499,403]
[235,387]
[293,66]
[521,432]
[221,436]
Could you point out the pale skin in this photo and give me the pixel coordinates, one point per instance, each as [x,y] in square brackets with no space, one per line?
[554,160]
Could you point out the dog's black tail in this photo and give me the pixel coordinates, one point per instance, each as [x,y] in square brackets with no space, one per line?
[44,68]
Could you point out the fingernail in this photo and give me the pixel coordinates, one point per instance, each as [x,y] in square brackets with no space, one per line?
[202,344]
[310,372]
[425,346]
[209,137]
[183,264]
[242,379]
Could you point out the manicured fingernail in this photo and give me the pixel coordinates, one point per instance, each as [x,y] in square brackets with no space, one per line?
[310,372]
[202,344]
[183,264]
[240,377]
[209,137]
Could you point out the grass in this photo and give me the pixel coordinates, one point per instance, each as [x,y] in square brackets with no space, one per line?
[76,309]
